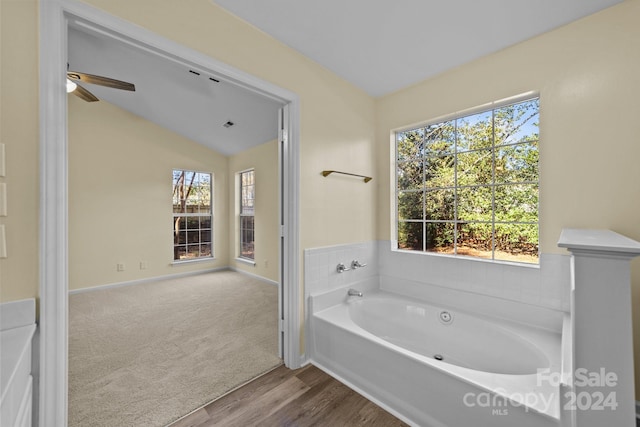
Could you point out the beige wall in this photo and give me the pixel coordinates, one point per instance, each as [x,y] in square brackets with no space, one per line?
[264,160]
[19,133]
[587,77]
[120,181]
[337,122]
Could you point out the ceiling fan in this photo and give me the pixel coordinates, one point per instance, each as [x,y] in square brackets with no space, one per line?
[79,91]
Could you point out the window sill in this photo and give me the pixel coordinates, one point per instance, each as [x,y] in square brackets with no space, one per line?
[192,261]
[470,258]
[246,261]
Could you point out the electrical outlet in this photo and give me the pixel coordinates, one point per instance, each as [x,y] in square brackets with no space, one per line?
[143,265]
[3,242]
[3,199]
[2,161]
[120,267]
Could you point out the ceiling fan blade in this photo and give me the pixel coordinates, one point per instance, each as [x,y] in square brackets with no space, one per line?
[82,93]
[102,81]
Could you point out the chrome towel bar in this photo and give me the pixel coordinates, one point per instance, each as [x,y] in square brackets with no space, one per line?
[366,178]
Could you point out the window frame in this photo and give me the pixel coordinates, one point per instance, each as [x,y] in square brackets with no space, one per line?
[242,214]
[489,108]
[186,215]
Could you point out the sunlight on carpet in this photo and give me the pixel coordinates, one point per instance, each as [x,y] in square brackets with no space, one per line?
[147,354]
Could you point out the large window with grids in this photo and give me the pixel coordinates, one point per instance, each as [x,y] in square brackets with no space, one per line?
[247,214]
[468,185]
[192,215]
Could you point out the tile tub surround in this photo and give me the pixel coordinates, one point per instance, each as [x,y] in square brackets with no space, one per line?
[545,285]
[320,274]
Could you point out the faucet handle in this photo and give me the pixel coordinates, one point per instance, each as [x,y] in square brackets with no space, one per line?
[355,264]
[341,268]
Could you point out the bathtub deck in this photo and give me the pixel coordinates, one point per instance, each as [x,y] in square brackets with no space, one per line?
[304,397]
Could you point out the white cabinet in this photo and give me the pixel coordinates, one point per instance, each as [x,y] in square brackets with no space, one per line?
[17,326]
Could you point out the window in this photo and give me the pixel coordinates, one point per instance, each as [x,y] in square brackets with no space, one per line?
[469,185]
[192,215]
[247,214]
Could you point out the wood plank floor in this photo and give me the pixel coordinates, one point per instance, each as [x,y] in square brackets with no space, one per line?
[284,397]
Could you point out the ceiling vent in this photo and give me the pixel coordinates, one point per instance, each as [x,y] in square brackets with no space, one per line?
[228,124]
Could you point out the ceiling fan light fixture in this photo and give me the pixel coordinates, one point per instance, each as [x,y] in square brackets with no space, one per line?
[71,86]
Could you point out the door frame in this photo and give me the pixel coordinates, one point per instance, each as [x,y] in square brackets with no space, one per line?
[55,16]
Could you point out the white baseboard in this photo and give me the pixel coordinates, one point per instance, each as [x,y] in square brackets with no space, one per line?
[147,280]
[255,276]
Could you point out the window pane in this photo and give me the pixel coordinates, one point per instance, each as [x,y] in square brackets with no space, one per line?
[440,237]
[475,204]
[440,171]
[517,242]
[179,252]
[516,202]
[440,205]
[475,167]
[205,221]
[517,163]
[409,144]
[475,131]
[193,236]
[475,240]
[247,193]
[205,250]
[440,138]
[191,195]
[193,251]
[517,122]
[410,205]
[410,236]
[410,175]
[179,223]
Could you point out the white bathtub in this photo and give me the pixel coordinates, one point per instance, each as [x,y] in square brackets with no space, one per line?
[472,371]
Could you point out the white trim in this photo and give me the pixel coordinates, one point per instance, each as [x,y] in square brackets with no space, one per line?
[178,263]
[53,231]
[492,105]
[55,16]
[290,275]
[245,261]
[255,276]
[146,280]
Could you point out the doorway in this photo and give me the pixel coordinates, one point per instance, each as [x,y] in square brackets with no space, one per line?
[54,21]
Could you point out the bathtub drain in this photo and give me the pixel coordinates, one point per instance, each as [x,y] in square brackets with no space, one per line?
[445,317]
[438,357]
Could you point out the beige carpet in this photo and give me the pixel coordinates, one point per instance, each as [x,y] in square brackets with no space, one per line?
[145,355]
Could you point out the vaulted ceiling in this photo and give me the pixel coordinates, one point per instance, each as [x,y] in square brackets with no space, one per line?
[382,46]
[190,102]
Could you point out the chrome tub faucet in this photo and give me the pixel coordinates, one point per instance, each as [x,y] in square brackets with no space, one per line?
[354,293]
[355,264]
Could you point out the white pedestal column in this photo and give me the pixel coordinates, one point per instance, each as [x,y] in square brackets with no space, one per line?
[603,378]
